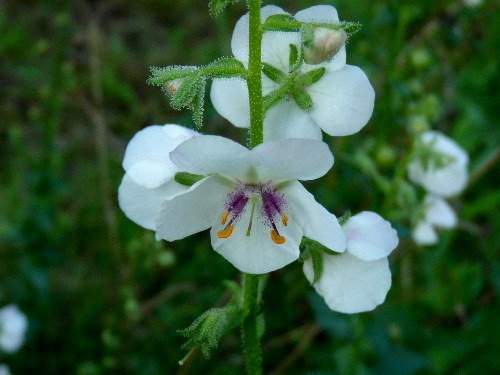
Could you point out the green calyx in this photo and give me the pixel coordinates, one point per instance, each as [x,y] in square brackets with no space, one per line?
[293,86]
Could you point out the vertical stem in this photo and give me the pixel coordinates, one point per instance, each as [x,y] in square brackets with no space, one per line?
[249,334]
[254,78]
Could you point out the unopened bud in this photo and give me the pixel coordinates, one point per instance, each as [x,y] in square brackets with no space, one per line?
[173,86]
[322,44]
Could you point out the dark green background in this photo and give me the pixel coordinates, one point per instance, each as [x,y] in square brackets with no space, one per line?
[102,297]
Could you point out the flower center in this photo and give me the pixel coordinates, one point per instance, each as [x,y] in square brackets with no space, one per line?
[271,203]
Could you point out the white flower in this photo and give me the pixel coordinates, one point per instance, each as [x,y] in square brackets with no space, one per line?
[13,326]
[4,369]
[257,209]
[437,214]
[359,279]
[149,177]
[447,179]
[342,100]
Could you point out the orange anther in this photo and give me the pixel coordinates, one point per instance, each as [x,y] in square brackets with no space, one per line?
[226,232]
[284,220]
[277,239]
[224,217]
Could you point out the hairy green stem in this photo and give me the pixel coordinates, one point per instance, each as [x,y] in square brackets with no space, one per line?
[254,78]
[249,332]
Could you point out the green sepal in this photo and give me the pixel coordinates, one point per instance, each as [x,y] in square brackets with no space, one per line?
[308,245]
[274,74]
[190,87]
[206,331]
[281,22]
[311,77]
[164,75]
[225,68]
[317,263]
[261,326]
[351,27]
[345,217]
[303,99]
[274,97]
[294,60]
[197,105]
[217,6]
[187,179]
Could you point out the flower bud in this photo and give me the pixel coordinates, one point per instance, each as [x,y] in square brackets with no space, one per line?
[171,87]
[322,44]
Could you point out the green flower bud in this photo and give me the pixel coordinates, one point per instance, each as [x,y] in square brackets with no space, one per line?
[322,44]
[171,87]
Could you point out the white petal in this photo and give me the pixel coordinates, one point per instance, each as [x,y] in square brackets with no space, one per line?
[276,49]
[239,40]
[342,101]
[146,157]
[276,161]
[316,222]
[369,236]
[193,211]
[140,204]
[439,212]
[291,159]
[424,234]
[257,253]
[318,13]
[349,284]
[286,120]
[449,180]
[212,154]
[230,99]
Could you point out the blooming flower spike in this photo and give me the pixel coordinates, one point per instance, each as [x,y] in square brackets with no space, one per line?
[359,279]
[256,208]
[442,168]
[149,177]
[341,99]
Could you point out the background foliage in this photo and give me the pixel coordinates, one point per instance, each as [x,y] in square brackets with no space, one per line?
[102,296]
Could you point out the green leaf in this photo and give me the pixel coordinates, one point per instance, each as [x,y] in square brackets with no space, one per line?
[164,75]
[273,73]
[187,179]
[217,6]
[281,22]
[225,67]
[302,99]
[311,77]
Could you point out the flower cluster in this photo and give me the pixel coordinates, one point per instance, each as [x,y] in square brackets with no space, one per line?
[440,167]
[13,326]
[258,212]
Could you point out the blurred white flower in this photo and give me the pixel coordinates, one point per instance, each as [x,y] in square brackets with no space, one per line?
[442,166]
[358,279]
[13,326]
[342,99]
[437,214]
[257,209]
[4,369]
[149,177]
